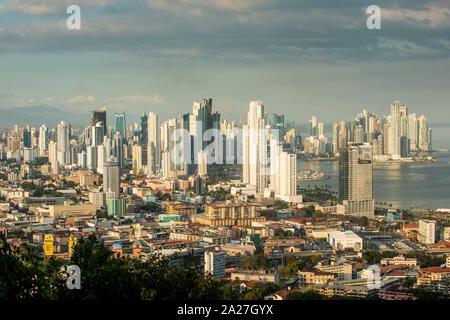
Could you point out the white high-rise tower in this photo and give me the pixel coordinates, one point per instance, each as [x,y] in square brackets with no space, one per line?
[43,140]
[255,155]
[395,131]
[154,144]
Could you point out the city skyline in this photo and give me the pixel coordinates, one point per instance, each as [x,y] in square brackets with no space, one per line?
[199,152]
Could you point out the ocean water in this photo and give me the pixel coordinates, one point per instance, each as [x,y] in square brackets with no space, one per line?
[422,185]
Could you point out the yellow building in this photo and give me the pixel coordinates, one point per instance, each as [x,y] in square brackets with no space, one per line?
[315,277]
[342,271]
[432,275]
[230,214]
[180,209]
[88,209]
[447,233]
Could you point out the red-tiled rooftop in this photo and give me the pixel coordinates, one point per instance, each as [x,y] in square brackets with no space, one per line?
[440,244]
[393,267]
[435,270]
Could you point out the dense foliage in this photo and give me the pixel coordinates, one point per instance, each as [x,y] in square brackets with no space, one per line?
[104,276]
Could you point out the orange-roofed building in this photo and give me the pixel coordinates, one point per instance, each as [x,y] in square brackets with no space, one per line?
[410,230]
[433,274]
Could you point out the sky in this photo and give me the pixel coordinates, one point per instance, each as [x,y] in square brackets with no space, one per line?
[300,57]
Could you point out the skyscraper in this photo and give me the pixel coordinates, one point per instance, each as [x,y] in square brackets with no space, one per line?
[202,166]
[254,156]
[320,130]
[99,116]
[171,148]
[137,159]
[343,135]
[355,179]
[313,126]
[62,132]
[98,134]
[53,156]
[43,140]
[404,136]
[335,130]
[26,137]
[423,134]
[413,132]
[278,124]
[395,131]
[143,139]
[111,177]
[120,125]
[101,158]
[154,144]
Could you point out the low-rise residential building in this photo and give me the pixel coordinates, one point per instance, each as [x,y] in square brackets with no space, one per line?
[345,240]
[399,260]
[67,210]
[342,271]
[222,214]
[432,275]
[180,209]
[255,275]
[315,277]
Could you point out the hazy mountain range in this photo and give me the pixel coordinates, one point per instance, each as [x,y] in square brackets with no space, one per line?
[36,116]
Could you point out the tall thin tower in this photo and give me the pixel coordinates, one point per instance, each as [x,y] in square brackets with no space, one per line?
[395,131]
[154,144]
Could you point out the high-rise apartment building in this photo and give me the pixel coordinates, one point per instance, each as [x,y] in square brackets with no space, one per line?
[413,132]
[62,132]
[313,127]
[154,144]
[395,130]
[43,140]
[335,132]
[137,159]
[427,231]
[111,177]
[355,179]
[424,140]
[255,148]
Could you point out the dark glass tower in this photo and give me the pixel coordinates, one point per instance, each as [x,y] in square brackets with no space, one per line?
[99,116]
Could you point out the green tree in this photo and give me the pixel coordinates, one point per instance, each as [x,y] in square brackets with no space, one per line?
[258,293]
[25,275]
[306,295]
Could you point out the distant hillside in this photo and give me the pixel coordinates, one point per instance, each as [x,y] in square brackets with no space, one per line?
[37,116]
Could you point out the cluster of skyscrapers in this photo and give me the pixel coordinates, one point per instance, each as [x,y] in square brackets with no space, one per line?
[396,136]
[186,145]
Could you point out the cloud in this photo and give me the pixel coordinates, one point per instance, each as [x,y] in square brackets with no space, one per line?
[50,7]
[404,48]
[200,7]
[137,99]
[13,101]
[232,31]
[81,100]
[433,16]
